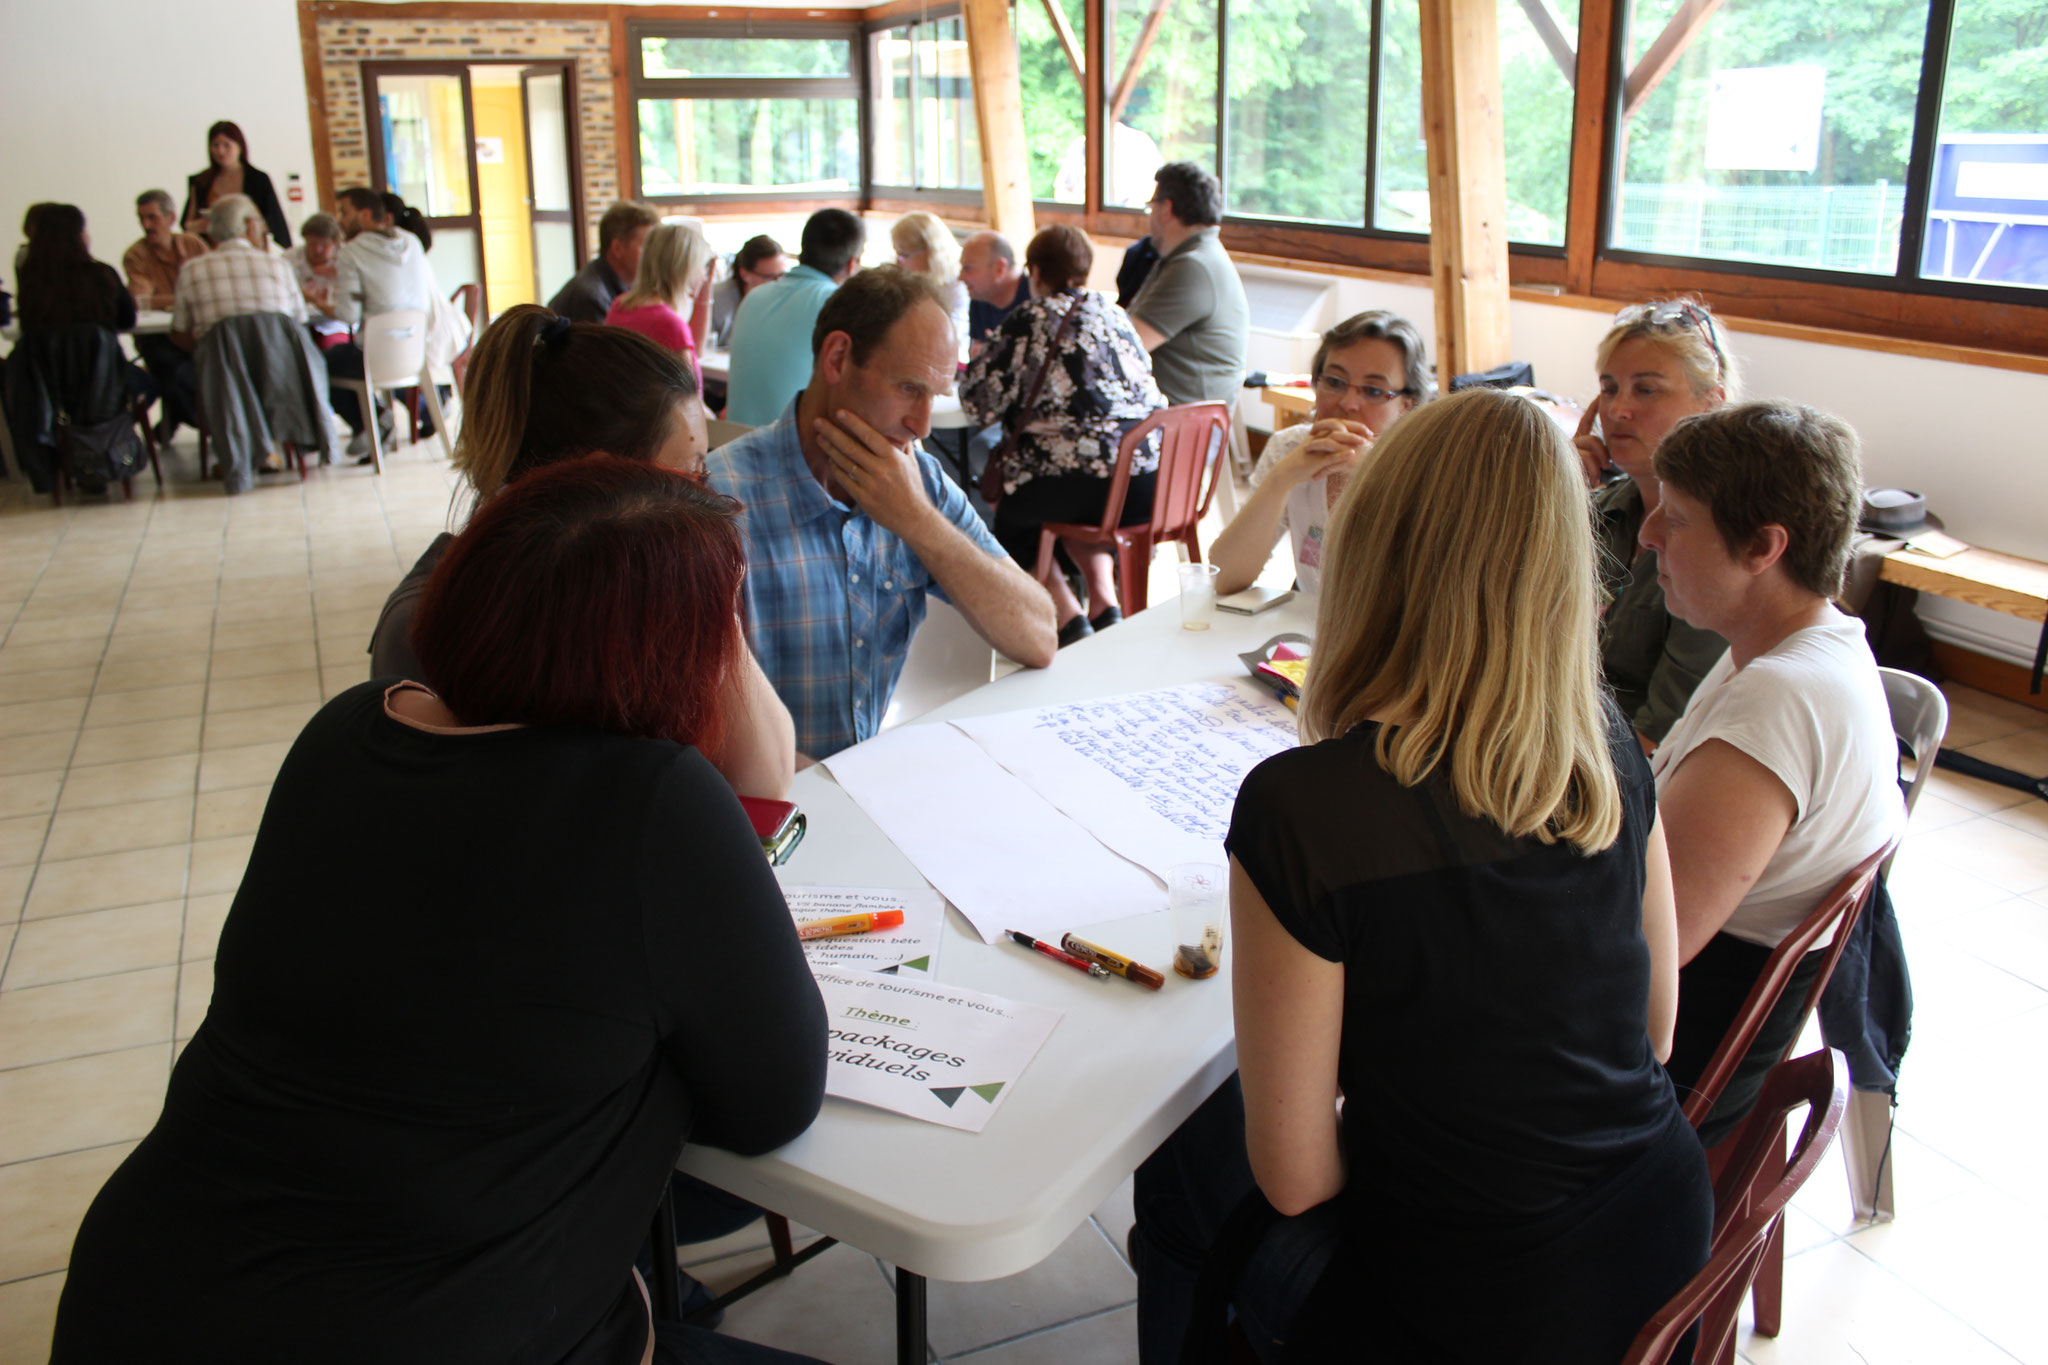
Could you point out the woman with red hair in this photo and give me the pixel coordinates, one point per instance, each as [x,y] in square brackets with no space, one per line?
[228,172]
[449,1062]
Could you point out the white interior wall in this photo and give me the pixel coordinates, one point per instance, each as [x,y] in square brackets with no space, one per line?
[102,99]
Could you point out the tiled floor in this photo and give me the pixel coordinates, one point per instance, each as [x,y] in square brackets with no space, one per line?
[159,655]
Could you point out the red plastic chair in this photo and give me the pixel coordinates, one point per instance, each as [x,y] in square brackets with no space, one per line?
[1187,481]
[1750,1194]
[1839,910]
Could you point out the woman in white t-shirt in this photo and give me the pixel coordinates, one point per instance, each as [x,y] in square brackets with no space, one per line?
[1369,370]
[1782,774]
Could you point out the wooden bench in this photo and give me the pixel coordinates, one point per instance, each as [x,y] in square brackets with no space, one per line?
[1984,578]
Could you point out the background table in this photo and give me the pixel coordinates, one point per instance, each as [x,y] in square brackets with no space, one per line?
[1121,1071]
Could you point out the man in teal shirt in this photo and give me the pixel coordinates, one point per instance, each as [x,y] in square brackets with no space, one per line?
[771,333]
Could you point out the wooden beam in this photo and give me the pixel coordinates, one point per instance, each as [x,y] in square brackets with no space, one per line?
[316,106]
[999,110]
[1128,82]
[1064,31]
[625,117]
[1466,139]
[1591,113]
[1547,28]
[1663,54]
[1094,104]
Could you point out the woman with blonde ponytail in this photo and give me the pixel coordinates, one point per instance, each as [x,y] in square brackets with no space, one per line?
[1456,953]
[542,389]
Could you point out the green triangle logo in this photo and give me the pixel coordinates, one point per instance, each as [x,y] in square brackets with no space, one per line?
[917,964]
[948,1093]
[989,1091]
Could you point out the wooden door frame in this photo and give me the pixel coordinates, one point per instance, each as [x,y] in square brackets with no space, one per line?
[567,67]
[473,221]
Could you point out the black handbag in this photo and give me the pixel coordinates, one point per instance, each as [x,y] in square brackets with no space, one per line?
[96,454]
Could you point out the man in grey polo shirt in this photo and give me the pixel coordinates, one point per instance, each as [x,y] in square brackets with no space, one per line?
[1191,311]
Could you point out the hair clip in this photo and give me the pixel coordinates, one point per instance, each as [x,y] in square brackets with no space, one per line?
[556,331]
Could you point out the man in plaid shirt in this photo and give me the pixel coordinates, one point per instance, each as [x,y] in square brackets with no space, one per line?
[238,276]
[849,525]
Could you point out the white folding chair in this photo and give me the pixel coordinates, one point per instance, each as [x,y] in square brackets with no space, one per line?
[394,357]
[1919,719]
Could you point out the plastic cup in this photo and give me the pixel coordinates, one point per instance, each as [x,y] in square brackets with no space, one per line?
[1197,596]
[1199,894]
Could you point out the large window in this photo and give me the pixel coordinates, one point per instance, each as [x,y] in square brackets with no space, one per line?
[1538,58]
[924,135]
[1298,87]
[1784,134]
[1780,135]
[1987,205]
[1297,105]
[776,112]
[1160,100]
[1051,57]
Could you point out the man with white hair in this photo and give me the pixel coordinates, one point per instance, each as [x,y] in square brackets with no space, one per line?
[239,275]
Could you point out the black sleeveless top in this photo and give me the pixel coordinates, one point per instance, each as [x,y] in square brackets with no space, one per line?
[1503,1107]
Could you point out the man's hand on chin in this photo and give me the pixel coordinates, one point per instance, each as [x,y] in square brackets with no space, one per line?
[881,479]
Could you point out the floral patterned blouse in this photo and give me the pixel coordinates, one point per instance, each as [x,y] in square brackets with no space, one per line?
[1098,387]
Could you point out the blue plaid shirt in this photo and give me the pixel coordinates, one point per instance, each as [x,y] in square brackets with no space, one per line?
[832,598]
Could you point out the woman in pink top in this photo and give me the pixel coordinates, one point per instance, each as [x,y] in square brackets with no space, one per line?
[670,301]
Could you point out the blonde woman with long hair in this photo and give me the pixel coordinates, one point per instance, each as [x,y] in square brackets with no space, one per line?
[670,301]
[1452,908]
[926,246]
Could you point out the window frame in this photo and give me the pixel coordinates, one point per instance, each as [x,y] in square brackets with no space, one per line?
[1903,307]
[1279,235]
[1896,311]
[871,188]
[639,86]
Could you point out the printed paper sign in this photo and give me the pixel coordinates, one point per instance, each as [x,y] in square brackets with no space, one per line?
[912,948]
[933,1052]
[1153,775]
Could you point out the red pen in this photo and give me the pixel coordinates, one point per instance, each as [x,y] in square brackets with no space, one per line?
[1057,954]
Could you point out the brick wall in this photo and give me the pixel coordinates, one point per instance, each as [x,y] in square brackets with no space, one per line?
[345,44]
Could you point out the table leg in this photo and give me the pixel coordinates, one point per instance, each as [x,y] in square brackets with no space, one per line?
[910,1319]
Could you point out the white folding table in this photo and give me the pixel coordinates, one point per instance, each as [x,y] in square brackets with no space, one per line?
[1122,1070]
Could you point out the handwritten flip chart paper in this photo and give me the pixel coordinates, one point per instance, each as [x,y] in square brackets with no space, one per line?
[1151,774]
[993,847]
[911,948]
[936,1053]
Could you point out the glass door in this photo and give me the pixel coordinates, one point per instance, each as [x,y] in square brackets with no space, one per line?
[423,149]
[551,178]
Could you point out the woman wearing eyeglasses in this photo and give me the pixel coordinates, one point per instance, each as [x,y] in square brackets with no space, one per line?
[1660,362]
[1369,370]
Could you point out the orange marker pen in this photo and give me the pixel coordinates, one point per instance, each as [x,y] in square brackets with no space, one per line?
[849,924]
[1115,962]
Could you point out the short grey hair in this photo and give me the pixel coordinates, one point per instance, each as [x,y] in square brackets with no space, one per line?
[229,217]
[321,225]
[161,198]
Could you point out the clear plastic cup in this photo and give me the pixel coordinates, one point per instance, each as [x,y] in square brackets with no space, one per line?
[1199,894]
[1197,596]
